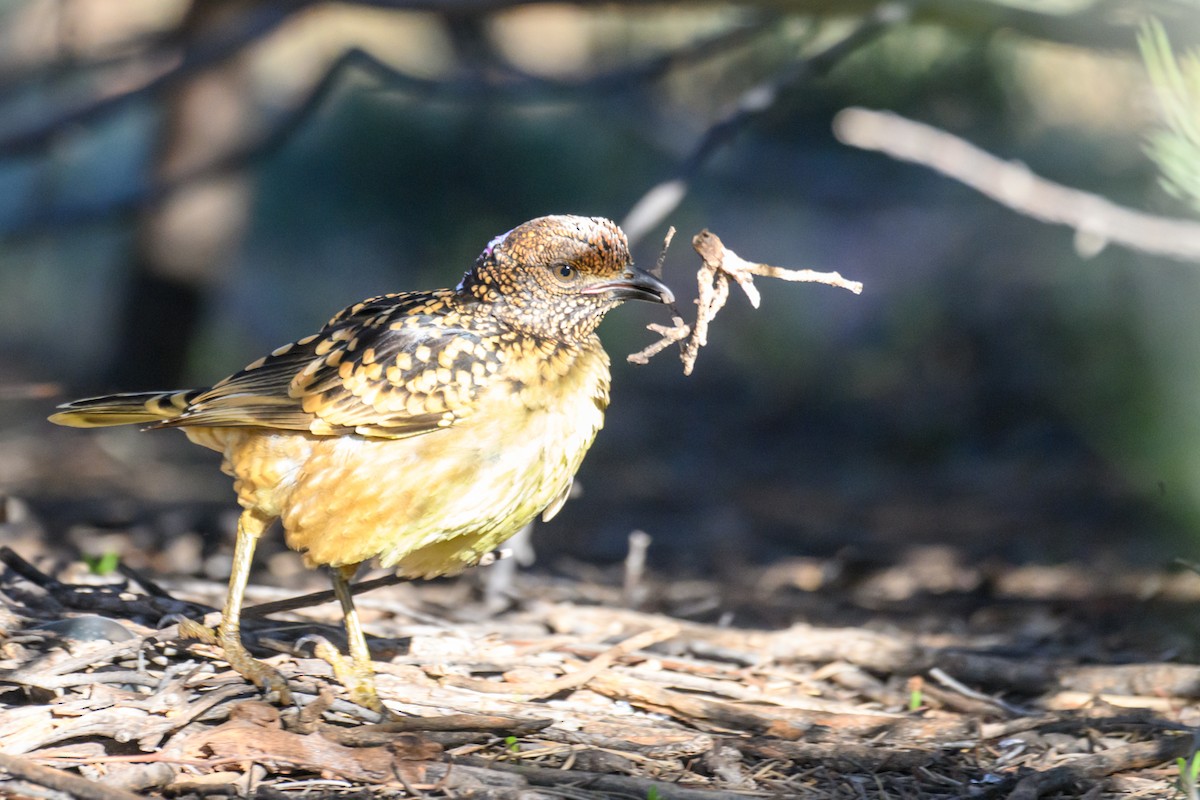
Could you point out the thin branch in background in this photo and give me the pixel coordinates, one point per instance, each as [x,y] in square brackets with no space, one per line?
[663,198]
[515,85]
[47,76]
[653,207]
[1103,24]
[30,391]
[633,589]
[248,29]
[1096,220]
[637,75]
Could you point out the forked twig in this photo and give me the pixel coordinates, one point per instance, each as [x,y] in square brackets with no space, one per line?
[720,266]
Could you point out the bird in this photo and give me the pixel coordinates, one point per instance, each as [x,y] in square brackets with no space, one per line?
[418,430]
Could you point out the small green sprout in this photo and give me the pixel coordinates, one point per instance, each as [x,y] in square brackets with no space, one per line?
[1188,782]
[105,564]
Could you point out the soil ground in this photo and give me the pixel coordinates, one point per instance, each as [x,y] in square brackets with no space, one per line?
[937,670]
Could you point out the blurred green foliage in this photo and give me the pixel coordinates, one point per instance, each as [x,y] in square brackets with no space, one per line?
[1175,148]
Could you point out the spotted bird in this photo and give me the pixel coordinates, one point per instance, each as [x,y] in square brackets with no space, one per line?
[420,429]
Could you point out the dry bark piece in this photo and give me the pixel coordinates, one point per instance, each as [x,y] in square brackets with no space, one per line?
[380,733]
[253,733]
[842,756]
[1107,762]
[58,780]
[572,680]
[602,784]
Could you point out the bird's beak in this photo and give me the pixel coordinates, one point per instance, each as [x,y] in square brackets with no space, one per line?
[635,284]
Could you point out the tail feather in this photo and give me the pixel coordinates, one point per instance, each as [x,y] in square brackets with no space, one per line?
[124,409]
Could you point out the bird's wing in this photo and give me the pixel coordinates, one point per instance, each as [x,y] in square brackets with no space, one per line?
[389,367]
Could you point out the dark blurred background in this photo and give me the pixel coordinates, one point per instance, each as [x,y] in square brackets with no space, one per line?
[184,186]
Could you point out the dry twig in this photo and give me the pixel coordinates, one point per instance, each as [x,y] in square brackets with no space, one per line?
[542,689]
[1106,762]
[664,197]
[58,780]
[720,266]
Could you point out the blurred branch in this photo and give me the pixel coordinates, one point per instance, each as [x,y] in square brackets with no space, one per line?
[654,68]
[980,15]
[1099,24]
[1095,219]
[653,207]
[515,85]
[648,211]
[248,29]
[519,85]
[159,44]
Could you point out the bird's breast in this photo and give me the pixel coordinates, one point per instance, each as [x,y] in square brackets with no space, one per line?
[432,504]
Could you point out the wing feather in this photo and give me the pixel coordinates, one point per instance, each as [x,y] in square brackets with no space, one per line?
[392,366]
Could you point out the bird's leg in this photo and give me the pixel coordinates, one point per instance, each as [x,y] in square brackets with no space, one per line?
[357,675]
[228,635]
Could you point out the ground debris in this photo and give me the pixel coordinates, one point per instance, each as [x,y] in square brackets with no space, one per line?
[565,695]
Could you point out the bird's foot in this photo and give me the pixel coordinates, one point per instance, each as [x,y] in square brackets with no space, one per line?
[358,678]
[260,674]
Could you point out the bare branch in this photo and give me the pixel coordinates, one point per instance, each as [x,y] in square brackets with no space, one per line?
[742,270]
[677,331]
[56,779]
[664,197]
[515,85]
[1095,219]
[720,266]
[47,75]
[572,680]
[1108,24]
[247,30]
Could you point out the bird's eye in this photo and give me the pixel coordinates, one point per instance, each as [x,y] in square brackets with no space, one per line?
[564,273]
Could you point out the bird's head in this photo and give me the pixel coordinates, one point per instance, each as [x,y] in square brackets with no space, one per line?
[556,277]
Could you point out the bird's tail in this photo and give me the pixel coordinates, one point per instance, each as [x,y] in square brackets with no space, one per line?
[124,409]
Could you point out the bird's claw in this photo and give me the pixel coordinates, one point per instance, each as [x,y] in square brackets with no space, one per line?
[358,679]
[263,675]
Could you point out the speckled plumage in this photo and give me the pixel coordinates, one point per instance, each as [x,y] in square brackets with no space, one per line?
[421,429]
